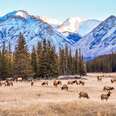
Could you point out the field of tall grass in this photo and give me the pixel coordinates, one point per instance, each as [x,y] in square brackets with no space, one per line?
[24,100]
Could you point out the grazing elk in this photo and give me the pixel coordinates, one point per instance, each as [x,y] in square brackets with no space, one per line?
[105,96]
[8,83]
[44,83]
[84,95]
[99,78]
[81,83]
[113,80]
[72,82]
[56,83]
[64,87]
[3,83]
[32,83]
[108,88]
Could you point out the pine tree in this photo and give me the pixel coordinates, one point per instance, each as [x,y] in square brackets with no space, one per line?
[61,63]
[65,60]
[43,64]
[82,65]
[3,63]
[70,63]
[76,62]
[10,61]
[47,67]
[22,62]
[34,61]
[39,50]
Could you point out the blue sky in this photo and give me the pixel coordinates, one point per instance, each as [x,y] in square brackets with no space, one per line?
[62,9]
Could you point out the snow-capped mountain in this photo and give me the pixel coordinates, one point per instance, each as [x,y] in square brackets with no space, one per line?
[100,41]
[77,25]
[52,21]
[70,25]
[33,29]
[87,26]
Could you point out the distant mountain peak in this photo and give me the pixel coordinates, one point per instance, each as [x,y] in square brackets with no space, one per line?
[34,29]
[51,21]
[70,24]
[22,13]
[73,19]
[101,40]
[111,16]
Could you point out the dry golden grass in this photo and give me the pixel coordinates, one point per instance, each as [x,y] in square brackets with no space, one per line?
[24,100]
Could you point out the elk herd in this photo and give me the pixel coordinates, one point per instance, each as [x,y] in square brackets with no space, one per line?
[65,86]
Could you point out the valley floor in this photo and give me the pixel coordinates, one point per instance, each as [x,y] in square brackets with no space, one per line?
[24,100]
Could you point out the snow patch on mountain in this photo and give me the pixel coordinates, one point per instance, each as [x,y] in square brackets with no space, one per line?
[32,28]
[22,13]
[100,41]
[51,21]
[87,26]
[70,25]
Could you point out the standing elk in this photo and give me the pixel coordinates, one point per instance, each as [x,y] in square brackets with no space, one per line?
[64,87]
[105,96]
[72,82]
[81,83]
[113,80]
[8,83]
[44,83]
[56,83]
[99,78]
[84,95]
[108,88]
[32,83]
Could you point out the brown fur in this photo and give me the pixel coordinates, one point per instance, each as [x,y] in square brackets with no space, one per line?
[105,96]
[84,95]
[113,80]
[108,88]
[81,83]
[64,87]
[99,78]
[72,82]
[56,83]
[32,83]
[44,83]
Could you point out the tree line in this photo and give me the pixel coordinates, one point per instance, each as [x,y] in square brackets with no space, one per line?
[42,62]
[106,63]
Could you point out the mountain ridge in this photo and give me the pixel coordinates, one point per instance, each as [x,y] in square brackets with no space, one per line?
[101,40]
[32,28]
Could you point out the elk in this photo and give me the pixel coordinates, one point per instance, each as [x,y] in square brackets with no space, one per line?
[32,83]
[113,80]
[44,83]
[64,87]
[105,96]
[56,83]
[84,95]
[99,78]
[81,83]
[3,83]
[72,82]
[108,88]
[8,83]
